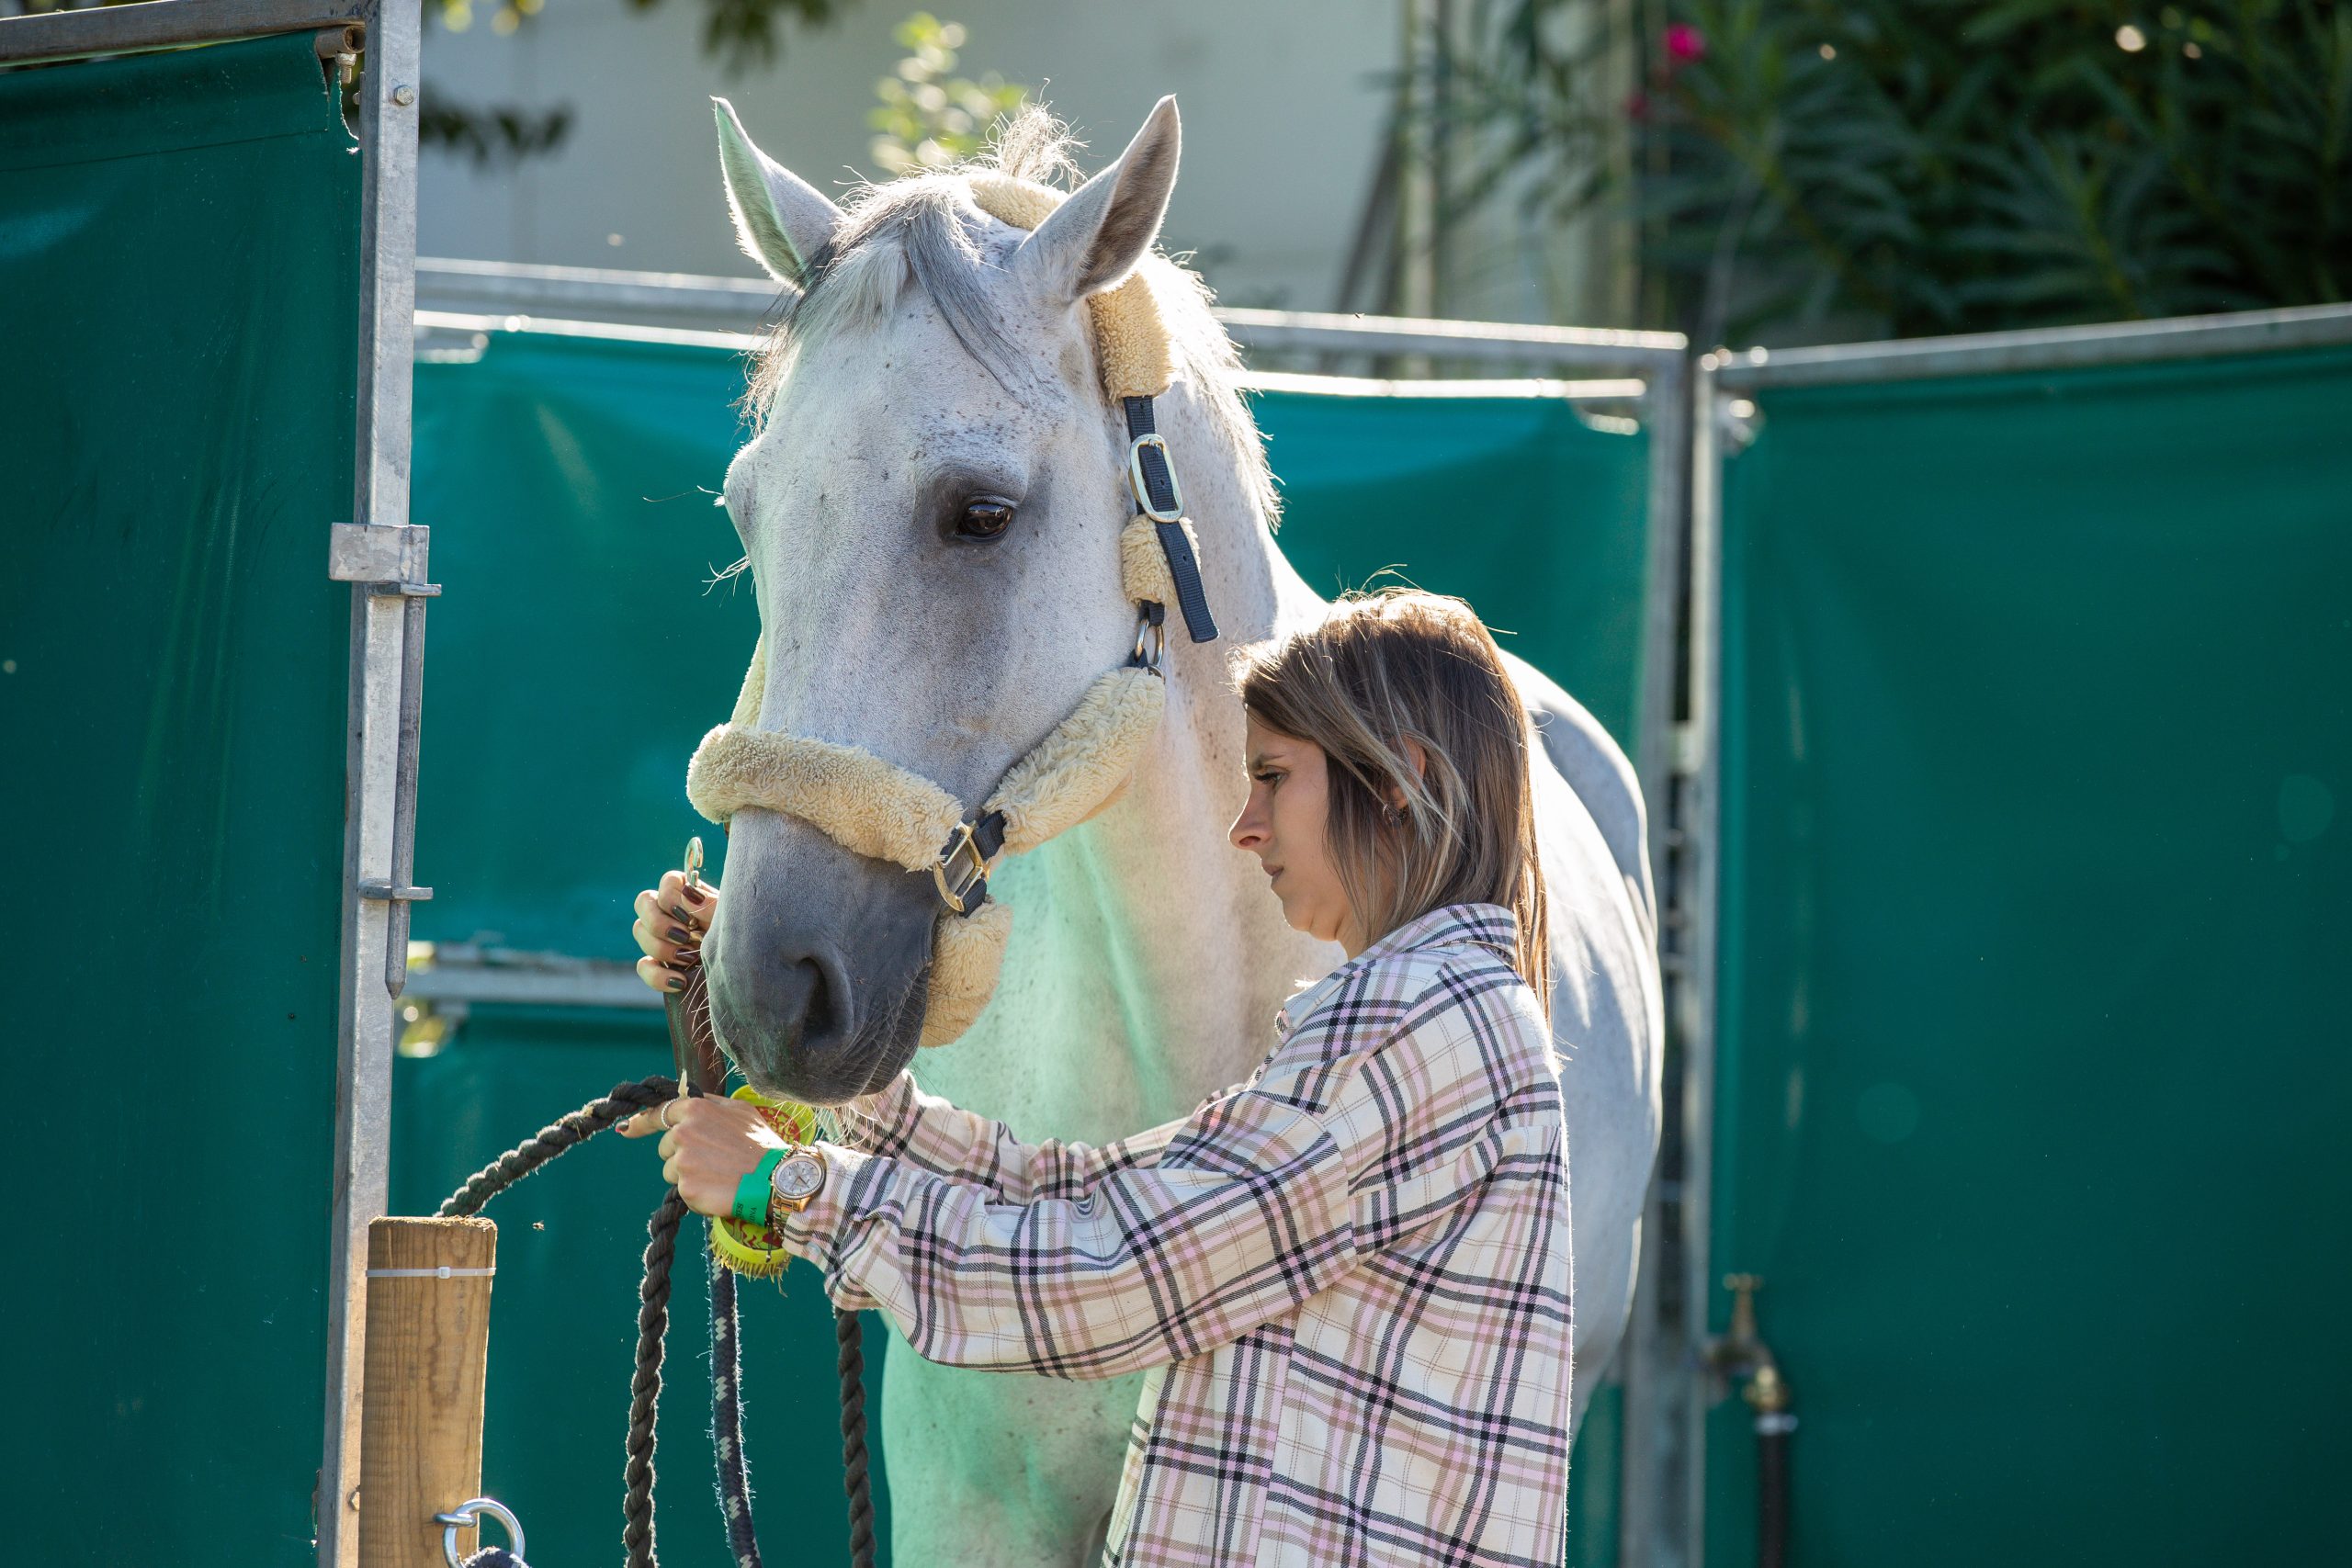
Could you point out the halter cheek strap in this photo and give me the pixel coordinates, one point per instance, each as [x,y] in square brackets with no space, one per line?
[881,811]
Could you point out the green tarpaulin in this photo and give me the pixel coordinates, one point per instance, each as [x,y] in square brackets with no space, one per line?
[179,254]
[2036,906]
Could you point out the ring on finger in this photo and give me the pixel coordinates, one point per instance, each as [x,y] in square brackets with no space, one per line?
[667,1106]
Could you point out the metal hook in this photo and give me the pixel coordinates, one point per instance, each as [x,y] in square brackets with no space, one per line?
[469,1514]
[694,862]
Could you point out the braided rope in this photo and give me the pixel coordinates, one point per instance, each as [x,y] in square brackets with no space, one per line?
[568,1132]
[727,1417]
[645,1383]
[558,1137]
[849,1334]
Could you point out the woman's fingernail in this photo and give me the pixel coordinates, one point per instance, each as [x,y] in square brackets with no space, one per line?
[678,935]
[675,984]
[695,896]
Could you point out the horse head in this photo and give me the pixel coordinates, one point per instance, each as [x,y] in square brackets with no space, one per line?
[931,508]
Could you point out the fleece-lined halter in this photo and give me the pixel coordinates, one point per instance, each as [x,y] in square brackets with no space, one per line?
[880,810]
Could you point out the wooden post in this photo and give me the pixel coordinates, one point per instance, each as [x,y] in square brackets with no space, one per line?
[428,1348]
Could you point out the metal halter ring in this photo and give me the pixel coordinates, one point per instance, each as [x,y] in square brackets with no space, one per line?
[1151,626]
[469,1514]
[1174,511]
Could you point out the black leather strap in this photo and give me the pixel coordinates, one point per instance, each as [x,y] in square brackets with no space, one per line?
[1192,598]
[988,835]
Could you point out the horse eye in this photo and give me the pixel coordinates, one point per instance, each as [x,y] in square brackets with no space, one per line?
[984,519]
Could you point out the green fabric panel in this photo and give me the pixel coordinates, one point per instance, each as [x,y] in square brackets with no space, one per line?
[1515,505]
[179,257]
[577,657]
[2037,893]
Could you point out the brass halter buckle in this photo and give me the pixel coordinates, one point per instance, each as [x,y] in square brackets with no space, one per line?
[961,873]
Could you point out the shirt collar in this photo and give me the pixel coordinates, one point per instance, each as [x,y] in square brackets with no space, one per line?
[1450,925]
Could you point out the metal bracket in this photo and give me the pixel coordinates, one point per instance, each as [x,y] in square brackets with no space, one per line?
[378,889]
[389,558]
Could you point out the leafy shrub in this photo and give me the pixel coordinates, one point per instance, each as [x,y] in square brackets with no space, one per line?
[1803,168]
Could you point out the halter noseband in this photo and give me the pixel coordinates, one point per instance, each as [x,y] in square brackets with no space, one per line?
[882,811]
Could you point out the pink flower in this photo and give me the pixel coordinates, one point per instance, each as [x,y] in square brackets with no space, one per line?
[1684,43]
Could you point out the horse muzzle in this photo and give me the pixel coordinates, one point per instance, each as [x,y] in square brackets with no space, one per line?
[819,961]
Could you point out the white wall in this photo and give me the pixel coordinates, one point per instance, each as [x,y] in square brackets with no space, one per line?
[1284,101]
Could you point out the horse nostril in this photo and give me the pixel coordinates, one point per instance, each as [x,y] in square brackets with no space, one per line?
[821,1023]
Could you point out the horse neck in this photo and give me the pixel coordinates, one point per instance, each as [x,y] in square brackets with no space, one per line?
[1149,954]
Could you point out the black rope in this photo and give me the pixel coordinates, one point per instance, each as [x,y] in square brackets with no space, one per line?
[557,1137]
[644,1383]
[849,1334]
[569,1132]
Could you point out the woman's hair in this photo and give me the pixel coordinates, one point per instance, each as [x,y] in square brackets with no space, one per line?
[1395,666]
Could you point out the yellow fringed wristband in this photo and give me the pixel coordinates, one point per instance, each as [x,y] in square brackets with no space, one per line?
[757,1251]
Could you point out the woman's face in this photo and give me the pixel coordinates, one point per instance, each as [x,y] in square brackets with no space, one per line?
[1283,825]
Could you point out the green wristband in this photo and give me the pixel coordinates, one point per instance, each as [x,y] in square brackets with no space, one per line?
[751,1193]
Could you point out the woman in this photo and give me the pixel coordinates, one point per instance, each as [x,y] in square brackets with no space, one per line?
[1347,1278]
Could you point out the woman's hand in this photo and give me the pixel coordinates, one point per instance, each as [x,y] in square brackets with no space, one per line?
[708,1147]
[670,921]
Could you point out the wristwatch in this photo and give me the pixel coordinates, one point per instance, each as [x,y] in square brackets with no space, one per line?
[795,1179]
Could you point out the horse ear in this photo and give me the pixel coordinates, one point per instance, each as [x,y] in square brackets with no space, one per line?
[1092,240]
[781,220]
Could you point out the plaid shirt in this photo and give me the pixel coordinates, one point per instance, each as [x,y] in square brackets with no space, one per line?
[1347,1280]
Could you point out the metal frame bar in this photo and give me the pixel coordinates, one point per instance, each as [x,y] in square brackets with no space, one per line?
[2052,348]
[1683,1478]
[1566,347]
[165,23]
[386,671]
[1650,1365]
[1666,1528]
[499,287]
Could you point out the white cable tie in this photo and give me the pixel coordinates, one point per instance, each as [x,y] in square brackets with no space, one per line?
[442,1272]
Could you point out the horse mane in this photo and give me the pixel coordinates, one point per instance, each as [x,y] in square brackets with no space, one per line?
[923,232]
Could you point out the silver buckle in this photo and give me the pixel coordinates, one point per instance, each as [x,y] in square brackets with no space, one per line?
[1142,487]
[956,885]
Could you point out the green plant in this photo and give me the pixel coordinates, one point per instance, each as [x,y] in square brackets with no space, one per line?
[928,118]
[1805,167]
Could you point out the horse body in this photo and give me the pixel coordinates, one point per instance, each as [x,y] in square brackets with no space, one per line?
[1147,958]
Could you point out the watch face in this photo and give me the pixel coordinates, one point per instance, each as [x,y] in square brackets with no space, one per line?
[799,1177]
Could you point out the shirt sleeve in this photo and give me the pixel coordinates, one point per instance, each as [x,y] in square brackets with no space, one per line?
[1085,1263]
[927,1132]
[1245,1213]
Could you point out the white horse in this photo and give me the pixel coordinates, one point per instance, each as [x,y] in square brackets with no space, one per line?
[934,372]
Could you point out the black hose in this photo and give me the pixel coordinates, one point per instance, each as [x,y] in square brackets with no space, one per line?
[1772,1429]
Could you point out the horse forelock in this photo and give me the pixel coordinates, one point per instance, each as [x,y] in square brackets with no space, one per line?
[923,232]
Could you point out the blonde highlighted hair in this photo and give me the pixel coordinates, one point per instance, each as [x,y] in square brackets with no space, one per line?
[1385,676]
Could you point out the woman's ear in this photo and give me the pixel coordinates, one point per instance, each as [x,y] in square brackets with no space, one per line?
[1393,791]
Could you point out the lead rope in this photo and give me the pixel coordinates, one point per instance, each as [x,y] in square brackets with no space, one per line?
[652,1325]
